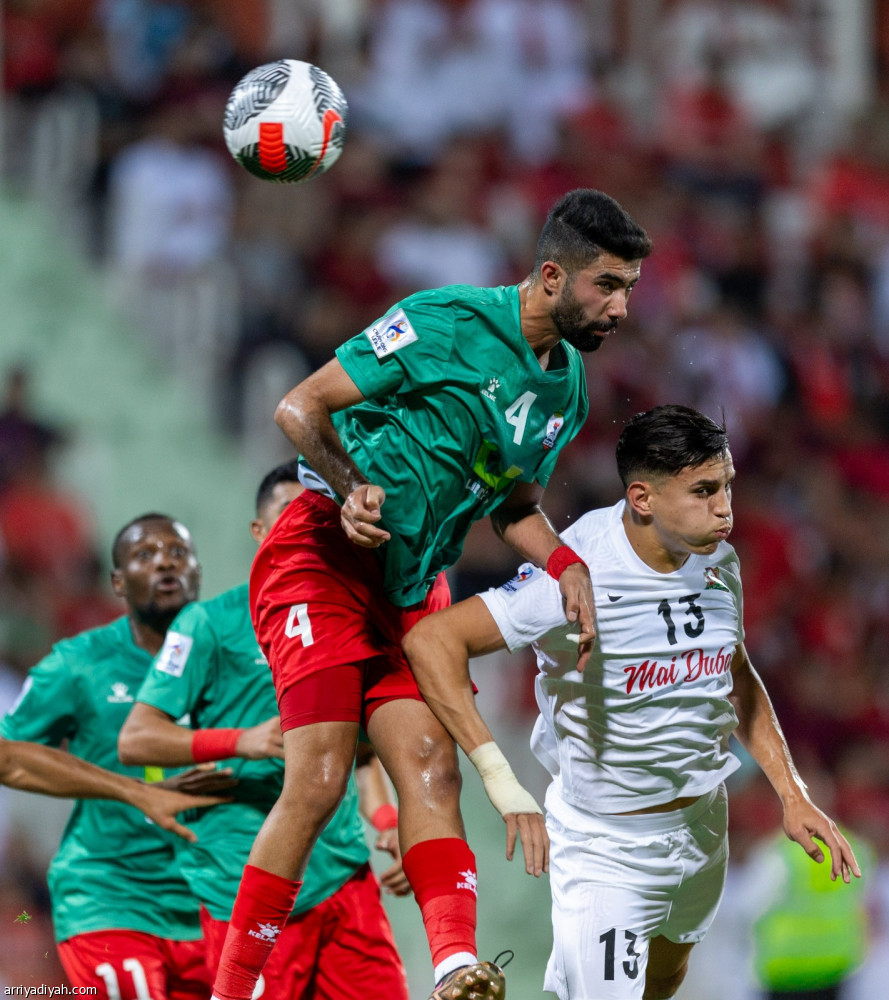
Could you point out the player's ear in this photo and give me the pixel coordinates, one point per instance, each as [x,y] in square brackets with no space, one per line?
[552,276]
[257,529]
[639,498]
[117,583]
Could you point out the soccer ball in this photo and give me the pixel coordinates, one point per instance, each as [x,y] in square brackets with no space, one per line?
[286,121]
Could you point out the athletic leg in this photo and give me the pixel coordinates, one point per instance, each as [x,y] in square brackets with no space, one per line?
[318,760]
[421,760]
[667,966]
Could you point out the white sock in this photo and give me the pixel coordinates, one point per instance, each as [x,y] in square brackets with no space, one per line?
[455,961]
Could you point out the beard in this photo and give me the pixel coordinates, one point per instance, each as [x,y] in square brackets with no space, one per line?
[155,617]
[582,334]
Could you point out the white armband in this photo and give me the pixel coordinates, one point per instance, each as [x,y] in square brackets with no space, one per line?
[500,783]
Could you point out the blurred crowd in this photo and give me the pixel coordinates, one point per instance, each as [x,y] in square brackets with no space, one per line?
[761,175]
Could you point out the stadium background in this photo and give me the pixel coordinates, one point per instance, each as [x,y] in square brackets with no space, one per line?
[157,301]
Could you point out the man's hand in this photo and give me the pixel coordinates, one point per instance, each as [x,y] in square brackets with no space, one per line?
[535,840]
[393,880]
[203,779]
[262,741]
[161,806]
[577,600]
[805,823]
[360,513]
[522,815]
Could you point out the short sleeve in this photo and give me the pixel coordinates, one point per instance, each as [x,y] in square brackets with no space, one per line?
[46,710]
[526,607]
[180,672]
[407,349]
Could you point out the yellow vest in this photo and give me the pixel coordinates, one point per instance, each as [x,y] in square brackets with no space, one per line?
[815,934]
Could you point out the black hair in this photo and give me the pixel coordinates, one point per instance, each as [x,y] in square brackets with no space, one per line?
[666,440]
[288,472]
[117,544]
[583,225]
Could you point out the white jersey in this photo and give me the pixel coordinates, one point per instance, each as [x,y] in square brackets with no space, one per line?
[649,719]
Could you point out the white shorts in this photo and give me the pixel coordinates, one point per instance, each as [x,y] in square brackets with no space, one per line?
[619,881]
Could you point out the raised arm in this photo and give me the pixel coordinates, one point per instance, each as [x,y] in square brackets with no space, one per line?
[438,648]
[760,733]
[31,767]
[522,524]
[304,416]
[150,736]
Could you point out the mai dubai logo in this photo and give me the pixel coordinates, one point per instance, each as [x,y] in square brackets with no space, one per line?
[491,388]
[120,694]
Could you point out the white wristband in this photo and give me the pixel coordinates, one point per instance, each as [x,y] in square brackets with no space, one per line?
[503,789]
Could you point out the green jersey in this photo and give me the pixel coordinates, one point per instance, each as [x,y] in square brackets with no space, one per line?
[457,410]
[114,870]
[212,670]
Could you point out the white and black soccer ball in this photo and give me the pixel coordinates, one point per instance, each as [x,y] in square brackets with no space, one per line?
[286,121]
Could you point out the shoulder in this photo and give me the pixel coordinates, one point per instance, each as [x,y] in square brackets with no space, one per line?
[217,609]
[452,304]
[89,646]
[727,559]
[588,531]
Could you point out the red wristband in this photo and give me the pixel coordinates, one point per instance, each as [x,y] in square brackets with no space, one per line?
[214,744]
[385,817]
[560,559]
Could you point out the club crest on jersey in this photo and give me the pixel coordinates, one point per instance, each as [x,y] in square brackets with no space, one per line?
[391,334]
[711,575]
[490,390]
[524,575]
[555,423]
[120,694]
[174,654]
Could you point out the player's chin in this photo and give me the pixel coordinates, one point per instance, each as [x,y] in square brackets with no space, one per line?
[708,547]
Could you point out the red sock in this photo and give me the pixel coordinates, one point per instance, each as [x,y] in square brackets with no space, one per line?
[263,904]
[442,874]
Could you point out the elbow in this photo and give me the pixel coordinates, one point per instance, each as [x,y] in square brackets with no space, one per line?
[128,747]
[412,642]
[292,412]
[282,412]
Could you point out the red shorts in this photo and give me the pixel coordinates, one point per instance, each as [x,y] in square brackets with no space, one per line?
[341,949]
[132,965]
[317,603]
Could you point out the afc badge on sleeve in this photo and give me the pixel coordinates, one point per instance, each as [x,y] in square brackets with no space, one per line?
[174,654]
[391,334]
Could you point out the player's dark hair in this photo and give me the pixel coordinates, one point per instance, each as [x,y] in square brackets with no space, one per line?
[288,472]
[583,225]
[117,544]
[666,440]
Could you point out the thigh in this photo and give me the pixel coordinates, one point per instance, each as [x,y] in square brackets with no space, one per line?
[358,957]
[310,591]
[666,960]
[389,677]
[120,964]
[704,854]
[610,894]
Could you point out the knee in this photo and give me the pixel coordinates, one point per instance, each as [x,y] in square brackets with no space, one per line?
[664,987]
[315,786]
[433,769]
